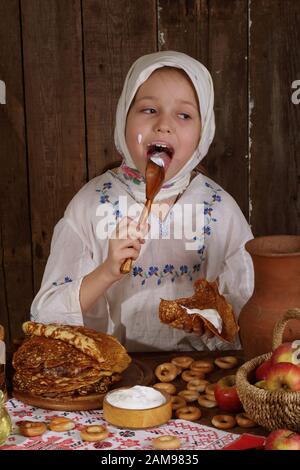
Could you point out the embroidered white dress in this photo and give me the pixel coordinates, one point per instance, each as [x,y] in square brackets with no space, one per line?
[165,268]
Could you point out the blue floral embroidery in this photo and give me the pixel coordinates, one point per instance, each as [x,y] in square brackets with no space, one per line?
[169,268]
[104,198]
[137,270]
[166,270]
[66,280]
[184,270]
[152,270]
[217,197]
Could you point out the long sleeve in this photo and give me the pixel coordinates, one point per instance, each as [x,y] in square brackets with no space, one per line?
[236,277]
[69,261]
[236,284]
[235,274]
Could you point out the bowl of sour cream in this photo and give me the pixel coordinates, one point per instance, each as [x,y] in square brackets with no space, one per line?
[137,407]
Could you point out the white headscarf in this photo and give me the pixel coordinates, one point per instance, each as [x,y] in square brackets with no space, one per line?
[138,74]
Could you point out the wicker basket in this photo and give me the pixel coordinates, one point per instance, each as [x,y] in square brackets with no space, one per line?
[272,410]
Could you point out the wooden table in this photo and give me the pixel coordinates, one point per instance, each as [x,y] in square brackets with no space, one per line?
[154,359]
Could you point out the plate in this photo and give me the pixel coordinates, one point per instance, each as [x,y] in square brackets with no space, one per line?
[137,373]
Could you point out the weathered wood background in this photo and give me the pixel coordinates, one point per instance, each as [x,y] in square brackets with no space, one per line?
[64,62]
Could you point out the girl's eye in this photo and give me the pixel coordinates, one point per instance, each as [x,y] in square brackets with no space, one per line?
[184,116]
[148,110]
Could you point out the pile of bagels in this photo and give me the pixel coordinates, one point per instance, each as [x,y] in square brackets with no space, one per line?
[198,389]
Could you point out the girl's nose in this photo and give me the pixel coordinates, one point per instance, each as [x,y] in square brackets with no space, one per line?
[163,125]
[163,129]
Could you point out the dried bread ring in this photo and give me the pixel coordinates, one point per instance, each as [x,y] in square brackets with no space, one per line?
[166,372]
[226,362]
[166,386]
[197,384]
[244,421]
[32,428]
[179,370]
[61,424]
[202,366]
[207,401]
[190,413]
[182,361]
[166,442]
[189,395]
[177,402]
[94,433]
[188,375]
[210,390]
[223,421]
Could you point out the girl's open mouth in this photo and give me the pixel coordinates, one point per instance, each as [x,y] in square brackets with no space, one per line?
[165,150]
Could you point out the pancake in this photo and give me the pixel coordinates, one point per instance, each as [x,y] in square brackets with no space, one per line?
[206,296]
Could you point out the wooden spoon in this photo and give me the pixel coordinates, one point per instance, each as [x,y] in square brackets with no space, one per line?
[155,175]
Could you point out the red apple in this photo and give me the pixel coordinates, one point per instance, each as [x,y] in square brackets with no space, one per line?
[283,439]
[226,395]
[287,352]
[285,376]
[262,370]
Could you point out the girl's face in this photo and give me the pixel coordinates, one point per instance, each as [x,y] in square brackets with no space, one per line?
[164,116]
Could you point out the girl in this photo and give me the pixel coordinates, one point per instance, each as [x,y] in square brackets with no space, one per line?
[166,105]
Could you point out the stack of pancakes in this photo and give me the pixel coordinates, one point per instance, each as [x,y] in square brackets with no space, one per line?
[67,362]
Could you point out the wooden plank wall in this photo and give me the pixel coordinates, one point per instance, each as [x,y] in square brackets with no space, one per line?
[64,62]
[275,132]
[16,280]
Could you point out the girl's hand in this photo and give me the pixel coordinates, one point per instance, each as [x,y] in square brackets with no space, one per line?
[125,242]
[199,331]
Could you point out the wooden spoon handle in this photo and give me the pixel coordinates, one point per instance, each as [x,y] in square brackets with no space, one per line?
[127,264]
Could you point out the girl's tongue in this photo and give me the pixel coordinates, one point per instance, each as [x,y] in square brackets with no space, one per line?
[165,153]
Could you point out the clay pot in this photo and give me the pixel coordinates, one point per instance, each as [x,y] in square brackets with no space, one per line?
[276,261]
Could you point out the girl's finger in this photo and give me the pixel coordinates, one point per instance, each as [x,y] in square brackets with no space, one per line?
[198,331]
[208,333]
[129,253]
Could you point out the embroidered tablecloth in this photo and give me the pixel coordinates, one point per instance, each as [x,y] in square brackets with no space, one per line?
[192,435]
